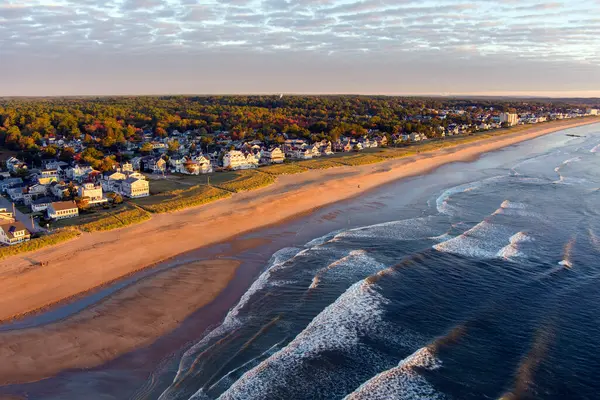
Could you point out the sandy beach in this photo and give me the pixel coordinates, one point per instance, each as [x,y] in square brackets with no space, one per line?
[136,316]
[131,318]
[95,259]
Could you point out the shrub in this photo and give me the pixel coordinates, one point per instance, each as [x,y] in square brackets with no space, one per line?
[39,243]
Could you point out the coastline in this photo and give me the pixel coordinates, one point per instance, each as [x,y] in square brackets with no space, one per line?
[90,338]
[96,259]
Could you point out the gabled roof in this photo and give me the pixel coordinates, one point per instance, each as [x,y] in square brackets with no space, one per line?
[12,227]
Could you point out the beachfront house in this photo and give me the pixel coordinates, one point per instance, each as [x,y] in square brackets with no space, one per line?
[62,210]
[135,187]
[92,192]
[12,233]
[235,159]
[272,156]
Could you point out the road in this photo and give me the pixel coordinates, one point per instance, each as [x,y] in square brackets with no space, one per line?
[24,218]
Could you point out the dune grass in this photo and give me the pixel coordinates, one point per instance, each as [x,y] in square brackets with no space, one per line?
[117,220]
[180,199]
[39,243]
[284,169]
[247,180]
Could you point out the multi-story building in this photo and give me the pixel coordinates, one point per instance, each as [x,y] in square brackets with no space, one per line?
[92,192]
[272,156]
[134,187]
[235,159]
[510,119]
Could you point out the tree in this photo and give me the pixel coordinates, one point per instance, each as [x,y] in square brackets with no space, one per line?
[83,203]
[146,148]
[173,147]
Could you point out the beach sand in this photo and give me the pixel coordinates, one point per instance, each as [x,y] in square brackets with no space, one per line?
[96,259]
[131,318]
[138,315]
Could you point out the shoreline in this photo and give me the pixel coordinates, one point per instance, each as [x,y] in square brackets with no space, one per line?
[90,338]
[99,259]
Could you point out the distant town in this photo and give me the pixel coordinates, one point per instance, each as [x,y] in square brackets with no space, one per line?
[66,157]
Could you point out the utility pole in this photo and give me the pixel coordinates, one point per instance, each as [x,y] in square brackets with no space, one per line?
[14,212]
[32,225]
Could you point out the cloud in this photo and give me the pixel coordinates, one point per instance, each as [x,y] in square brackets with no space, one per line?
[284,30]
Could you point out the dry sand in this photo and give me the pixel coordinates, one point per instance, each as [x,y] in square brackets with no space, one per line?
[97,258]
[133,317]
[139,314]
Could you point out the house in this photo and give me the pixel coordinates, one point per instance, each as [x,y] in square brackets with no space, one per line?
[59,190]
[40,204]
[6,216]
[155,165]
[14,233]
[235,159]
[204,163]
[136,164]
[79,173]
[134,187]
[272,156]
[45,173]
[13,164]
[37,189]
[8,183]
[92,192]
[111,182]
[127,167]
[16,193]
[62,210]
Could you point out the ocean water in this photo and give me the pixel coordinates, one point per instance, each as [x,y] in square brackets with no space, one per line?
[489,288]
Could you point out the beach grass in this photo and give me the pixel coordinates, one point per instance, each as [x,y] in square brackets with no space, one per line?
[362,159]
[116,220]
[247,180]
[182,198]
[320,164]
[39,243]
[284,169]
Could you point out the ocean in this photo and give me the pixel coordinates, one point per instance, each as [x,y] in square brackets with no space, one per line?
[479,280]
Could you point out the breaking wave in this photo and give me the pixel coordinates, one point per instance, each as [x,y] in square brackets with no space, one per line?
[403,382]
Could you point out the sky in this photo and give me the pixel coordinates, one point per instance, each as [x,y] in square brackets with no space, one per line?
[410,47]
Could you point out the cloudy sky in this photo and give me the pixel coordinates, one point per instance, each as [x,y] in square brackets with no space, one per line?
[65,47]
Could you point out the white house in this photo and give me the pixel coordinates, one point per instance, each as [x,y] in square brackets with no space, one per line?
[92,192]
[272,156]
[133,187]
[62,210]
[235,159]
[79,172]
[14,233]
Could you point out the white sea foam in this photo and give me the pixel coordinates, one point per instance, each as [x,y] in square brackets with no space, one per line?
[408,229]
[595,149]
[402,382]
[323,239]
[356,313]
[512,250]
[356,262]
[484,240]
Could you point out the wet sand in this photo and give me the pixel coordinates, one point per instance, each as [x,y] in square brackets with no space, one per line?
[131,318]
[99,258]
